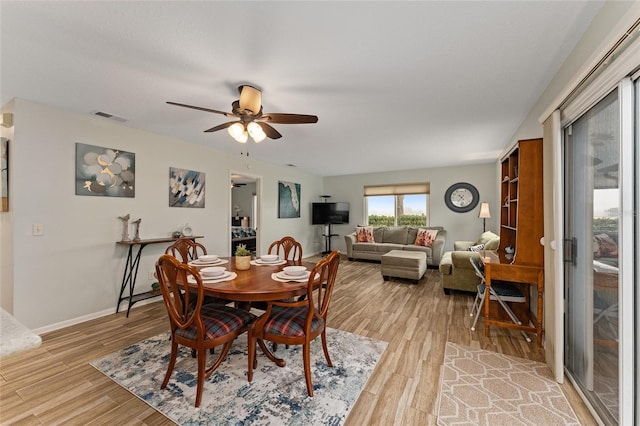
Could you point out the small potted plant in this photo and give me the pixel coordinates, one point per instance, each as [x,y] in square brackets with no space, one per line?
[243,258]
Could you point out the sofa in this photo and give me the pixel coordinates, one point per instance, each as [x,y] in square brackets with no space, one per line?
[387,238]
[455,268]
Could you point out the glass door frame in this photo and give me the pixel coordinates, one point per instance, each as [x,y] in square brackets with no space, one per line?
[628,298]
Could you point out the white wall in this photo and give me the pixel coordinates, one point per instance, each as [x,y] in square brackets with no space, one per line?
[459,226]
[75,269]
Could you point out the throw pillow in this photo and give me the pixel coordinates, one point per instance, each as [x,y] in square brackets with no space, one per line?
[425,237]
[364,234]
[476,248]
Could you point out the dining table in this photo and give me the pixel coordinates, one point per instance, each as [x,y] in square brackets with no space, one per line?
[256,284]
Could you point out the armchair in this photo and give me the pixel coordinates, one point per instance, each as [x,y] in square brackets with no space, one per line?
[455,267]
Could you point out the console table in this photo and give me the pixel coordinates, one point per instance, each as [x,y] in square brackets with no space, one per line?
[131,271]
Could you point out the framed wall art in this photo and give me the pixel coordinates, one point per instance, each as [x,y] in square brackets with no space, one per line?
[288,199]
[105,172]
[186,188]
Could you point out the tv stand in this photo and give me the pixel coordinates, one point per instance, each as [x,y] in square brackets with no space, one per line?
[327,238]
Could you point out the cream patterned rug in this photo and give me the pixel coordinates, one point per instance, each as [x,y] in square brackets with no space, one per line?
[277,396]
[479,387]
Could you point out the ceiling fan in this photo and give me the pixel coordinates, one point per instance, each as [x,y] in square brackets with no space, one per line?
[251,121]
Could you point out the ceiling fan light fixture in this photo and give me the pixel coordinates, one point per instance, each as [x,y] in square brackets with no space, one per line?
[236,130]
[256,132]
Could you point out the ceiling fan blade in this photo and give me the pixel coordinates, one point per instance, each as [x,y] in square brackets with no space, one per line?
[250,99]
[269,131]
[221,126]
[228,114]
[289,118]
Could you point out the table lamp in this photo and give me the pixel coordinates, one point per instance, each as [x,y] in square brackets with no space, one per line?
[484,215]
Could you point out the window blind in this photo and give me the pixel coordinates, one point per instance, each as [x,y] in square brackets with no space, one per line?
[397,189]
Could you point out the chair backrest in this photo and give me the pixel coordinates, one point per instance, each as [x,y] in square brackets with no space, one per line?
[478,266]
[173,277]
[319,297]
[186,250]
[288,247]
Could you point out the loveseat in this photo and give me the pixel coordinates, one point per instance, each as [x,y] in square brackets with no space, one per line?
[387,238]
[455,268]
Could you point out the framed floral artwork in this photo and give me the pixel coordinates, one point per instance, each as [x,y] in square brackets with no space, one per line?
[105,172]
[186,188]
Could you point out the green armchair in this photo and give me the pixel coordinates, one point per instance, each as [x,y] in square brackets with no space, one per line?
[455,268]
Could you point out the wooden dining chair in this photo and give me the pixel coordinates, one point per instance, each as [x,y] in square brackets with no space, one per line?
[298,322]
[287,248]
[194,324]
[186,250]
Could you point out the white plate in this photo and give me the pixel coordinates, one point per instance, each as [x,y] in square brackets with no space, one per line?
[286,276]
[225,274]
[268,261]
[224,277]
[199,263]
[261,262]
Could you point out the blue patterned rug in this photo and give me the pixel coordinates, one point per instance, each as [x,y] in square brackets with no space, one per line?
[277,396]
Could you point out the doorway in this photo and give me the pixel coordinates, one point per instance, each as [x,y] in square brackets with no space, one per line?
[244,220]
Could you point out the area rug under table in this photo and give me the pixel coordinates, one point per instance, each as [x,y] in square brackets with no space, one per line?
[479,387]
[277,396]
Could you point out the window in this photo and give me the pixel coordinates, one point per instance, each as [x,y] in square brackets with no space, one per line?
[394,205]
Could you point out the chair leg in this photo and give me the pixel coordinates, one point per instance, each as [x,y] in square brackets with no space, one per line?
[323,336]
[172,363]
[306,360]
[202,360]
[251,344]
[475,304]
[478,310]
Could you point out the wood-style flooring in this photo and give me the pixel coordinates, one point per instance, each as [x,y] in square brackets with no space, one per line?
[55,384]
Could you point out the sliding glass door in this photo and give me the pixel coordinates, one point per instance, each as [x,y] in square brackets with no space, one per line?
[601,253]
[592,206]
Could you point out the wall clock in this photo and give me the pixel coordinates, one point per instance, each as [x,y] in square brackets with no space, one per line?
[461,197]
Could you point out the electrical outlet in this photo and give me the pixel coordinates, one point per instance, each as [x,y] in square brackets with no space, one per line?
[37,229]
[152,275]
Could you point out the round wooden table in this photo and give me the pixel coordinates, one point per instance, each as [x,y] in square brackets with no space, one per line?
[255,284]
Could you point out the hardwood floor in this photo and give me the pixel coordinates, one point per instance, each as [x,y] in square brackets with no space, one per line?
[55,384]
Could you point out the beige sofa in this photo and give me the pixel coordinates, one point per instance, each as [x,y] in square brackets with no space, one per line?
[455,268]
[389,238]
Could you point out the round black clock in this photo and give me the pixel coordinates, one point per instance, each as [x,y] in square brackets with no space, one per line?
[461,197]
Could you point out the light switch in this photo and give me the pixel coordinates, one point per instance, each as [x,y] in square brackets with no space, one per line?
[37,229]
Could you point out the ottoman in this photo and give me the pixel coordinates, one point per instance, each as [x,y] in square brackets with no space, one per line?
[404,264]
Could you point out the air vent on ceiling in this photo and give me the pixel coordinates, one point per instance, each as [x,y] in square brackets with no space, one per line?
[109,116]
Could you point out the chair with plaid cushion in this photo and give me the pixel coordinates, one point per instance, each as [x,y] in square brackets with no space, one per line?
[298,322]
[288,248]
[193,324]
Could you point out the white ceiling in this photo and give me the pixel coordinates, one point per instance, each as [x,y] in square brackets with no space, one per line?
[396,85]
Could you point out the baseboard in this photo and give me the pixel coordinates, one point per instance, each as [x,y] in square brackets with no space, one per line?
[92,316]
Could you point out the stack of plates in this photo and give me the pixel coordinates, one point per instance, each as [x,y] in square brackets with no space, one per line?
[300,277]
[207,261]
[268,261]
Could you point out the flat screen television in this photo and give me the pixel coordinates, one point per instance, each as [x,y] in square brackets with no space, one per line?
[329,213]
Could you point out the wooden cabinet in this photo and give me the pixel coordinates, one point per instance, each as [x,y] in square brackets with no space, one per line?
[521,211]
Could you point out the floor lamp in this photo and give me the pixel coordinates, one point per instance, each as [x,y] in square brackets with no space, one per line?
[484,215]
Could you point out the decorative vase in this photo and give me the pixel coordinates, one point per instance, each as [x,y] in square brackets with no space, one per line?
[243,263]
